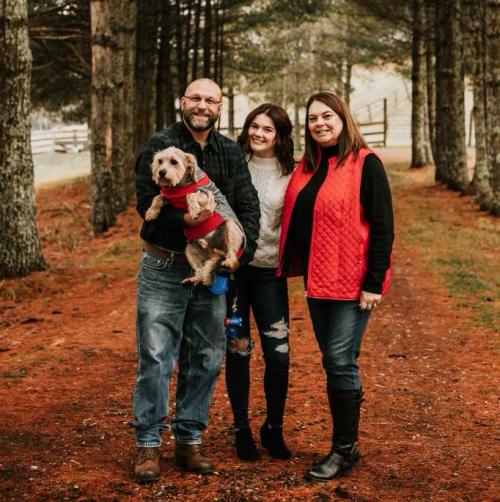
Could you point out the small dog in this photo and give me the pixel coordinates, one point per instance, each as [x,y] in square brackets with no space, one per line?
[183,184]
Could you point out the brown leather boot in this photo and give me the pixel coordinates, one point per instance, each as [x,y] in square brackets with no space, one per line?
[189,457]
[147,465]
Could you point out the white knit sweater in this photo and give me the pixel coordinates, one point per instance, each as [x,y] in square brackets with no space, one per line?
[270,185]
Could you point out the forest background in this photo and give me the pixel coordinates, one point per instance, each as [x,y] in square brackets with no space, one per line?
[120,66]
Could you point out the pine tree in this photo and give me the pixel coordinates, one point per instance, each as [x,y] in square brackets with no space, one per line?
[103,210]
[145,70]
[20,250]
[493,99]
[450,113]
[421,148]
[481,179]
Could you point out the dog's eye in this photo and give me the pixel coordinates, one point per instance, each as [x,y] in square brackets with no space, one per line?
[173,161]
[160,161]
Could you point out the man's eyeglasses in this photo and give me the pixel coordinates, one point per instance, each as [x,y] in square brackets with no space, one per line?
[199,99]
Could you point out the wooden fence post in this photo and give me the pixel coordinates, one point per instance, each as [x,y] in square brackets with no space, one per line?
[385,122]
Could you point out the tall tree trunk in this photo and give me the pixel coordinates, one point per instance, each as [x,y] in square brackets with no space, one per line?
[219,23]
[187,44]
[347,82]
[129,94]
[179,46]
[230,112]
[440,118]
[421,150]
[165,95]
[430,75]
[452,109]
[481,179]
[103,213]
[146,54]
[118,30]
[296,112]
[207,40]
[220,77]
[20,250]
[493,99]
[196,41]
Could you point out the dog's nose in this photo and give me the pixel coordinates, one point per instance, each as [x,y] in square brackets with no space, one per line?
[162,173]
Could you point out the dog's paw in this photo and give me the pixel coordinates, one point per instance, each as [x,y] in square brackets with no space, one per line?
[191,281]
[229,263]
[151,214]
[207,281]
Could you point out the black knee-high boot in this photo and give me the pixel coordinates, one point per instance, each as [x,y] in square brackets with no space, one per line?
[345,409]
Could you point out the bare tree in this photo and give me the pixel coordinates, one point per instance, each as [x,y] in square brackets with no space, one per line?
[196,41]
[20,250]
[421,148]
[451,167]
[493,99]
[146,66]
[103,214]
[118,25]
[430,74]
[207,39]
[129,94]
[481,179]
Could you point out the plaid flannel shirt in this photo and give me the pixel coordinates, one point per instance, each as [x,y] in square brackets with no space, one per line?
[223,161]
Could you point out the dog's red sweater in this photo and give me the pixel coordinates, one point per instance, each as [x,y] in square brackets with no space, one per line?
[177,197]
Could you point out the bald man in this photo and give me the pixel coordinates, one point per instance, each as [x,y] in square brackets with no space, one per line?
[175,323]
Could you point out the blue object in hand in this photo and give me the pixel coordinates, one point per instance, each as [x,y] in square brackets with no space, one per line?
[220,285]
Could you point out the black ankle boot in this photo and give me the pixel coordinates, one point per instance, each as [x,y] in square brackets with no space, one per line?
[245,445]
[338,463]
[272,440]
[345,407]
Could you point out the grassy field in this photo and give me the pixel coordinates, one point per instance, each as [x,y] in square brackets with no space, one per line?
[54,166]
[458,243]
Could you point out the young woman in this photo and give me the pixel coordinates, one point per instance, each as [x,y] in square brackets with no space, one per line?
[338,233]
[267,142]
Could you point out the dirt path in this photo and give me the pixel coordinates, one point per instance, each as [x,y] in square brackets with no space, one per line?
[67,366]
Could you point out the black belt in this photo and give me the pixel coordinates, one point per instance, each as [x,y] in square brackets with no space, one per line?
[173,256]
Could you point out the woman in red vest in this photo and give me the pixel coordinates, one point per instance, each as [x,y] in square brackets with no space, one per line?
[337,231]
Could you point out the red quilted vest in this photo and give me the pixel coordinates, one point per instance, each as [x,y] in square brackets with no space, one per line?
[340,234]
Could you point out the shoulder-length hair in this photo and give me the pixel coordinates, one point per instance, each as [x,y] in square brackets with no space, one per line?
[284,141]
[350,140]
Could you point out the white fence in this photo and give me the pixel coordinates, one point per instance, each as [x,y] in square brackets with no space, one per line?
[73,138]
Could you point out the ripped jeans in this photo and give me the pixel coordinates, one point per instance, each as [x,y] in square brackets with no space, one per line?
[260,290]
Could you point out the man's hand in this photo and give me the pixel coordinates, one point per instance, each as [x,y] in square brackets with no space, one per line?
[368,301]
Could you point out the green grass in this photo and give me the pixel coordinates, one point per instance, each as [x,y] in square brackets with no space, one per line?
[462,252]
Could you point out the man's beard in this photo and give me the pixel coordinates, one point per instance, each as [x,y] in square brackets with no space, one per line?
[187,117]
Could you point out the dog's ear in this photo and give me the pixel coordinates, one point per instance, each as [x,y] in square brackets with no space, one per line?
[191,165]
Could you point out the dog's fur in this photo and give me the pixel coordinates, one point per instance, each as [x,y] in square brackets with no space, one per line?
[172,167]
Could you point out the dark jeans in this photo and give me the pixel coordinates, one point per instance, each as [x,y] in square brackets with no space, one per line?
[339,327]
[179,325]
[260,290]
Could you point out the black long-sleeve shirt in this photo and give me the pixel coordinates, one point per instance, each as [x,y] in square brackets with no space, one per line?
[375,197]
[223,161]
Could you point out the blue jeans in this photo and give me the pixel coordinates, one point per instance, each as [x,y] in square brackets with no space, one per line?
[339,327]
[267,295]
[175,324]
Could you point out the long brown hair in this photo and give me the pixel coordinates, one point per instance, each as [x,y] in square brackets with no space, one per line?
[284,142]
[350,139]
